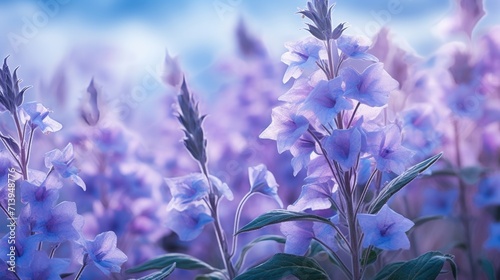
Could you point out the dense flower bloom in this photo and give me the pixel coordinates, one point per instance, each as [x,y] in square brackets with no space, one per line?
[385,146]
[62,162]
[489,191]
[38,117]
[372,87]
[385,230]
[326,100]
[189,222]
[344,146]
[104,254]
[262,181]
[301,57]
[355,47]
[286,127]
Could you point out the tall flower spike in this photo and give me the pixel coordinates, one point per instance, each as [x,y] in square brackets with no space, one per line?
[191,120]
[320,13]
[10,95]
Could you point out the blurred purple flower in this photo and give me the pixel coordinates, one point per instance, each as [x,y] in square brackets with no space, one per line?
[38,116]
[301,57]
[372,87]
[326,100]
[385,146]
[188,223]
[464,101]
[62,163]
[262,181]
[385,230]
[90,110]
[104,254]
[43,267]
[489,191]
[439,202]
[172,71]
[493,242]
[355,47]
[286,127]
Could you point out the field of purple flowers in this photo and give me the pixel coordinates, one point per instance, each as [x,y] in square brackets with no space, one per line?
[351,157]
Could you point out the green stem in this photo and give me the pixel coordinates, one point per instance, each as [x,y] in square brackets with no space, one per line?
[237,222]
[334,255]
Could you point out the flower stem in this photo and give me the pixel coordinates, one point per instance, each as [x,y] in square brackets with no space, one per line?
[237,222]
[20,133]
[463,206]
[79,274]
[334,255]
[353,231]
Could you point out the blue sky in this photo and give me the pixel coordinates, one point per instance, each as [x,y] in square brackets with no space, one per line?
[200,31]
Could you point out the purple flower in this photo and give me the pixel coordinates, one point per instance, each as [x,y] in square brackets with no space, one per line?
[60,224]
[300,234]
[301,152]
[40,198]
[316,196]
[372,87]
[464,101]
[262,181]
[385,146]
[355,47]
[62,162]
[489,191]
[385,230]
[326,100]
[43,267]
[344,146]
[104,254]
[38,116]
[189,222]
[301,57]
[493,241]
[286,127]
[193,187]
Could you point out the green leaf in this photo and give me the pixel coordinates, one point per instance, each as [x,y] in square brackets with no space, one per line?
[160,275]
[279,216]
[244,251]
[488,268]
[282,265]
[216,275]
[371,257]
[399,182]
[423,220]
[472,174]
[182,261]
[427,266]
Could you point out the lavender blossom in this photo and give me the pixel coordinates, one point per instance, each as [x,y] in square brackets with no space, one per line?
[301,57]
[355,47]
[345,145]
[62,163]
[189,222]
